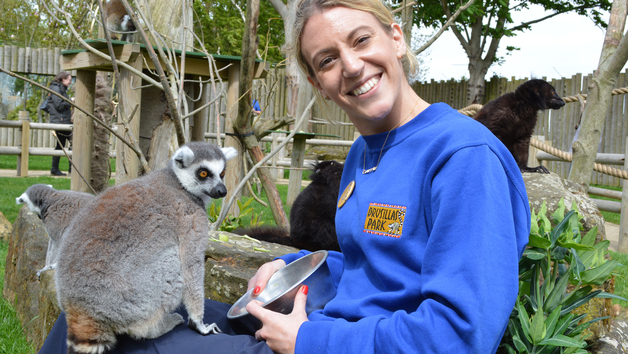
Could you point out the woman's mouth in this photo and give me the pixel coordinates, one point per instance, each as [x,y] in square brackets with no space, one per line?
[366,87]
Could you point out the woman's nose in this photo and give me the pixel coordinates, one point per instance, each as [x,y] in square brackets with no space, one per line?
[352,64]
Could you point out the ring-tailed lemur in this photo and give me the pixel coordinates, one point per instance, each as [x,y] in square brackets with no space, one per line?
[133,255]
[55,209]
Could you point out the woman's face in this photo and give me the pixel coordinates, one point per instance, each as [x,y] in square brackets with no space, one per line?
[356,63]
[66,81]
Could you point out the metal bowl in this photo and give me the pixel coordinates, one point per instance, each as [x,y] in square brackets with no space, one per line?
[282,287]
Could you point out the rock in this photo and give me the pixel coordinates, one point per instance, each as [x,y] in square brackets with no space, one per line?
[325,153]
[26,255]
[551,188]
[615,341]
[229,265]
[5,228]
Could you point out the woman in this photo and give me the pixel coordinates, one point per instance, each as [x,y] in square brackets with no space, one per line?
[433,215]
[60,113]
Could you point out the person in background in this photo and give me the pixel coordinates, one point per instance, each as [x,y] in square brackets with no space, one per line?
[257,110]
[60,113]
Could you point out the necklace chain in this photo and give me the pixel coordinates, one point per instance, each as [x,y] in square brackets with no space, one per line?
[374,168]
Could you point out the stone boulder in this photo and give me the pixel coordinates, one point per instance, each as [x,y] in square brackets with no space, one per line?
[551,188]
[231,263]
[27,247]
[5,228]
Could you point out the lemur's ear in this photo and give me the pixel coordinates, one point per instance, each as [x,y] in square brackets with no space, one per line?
[183,157]
[230,152]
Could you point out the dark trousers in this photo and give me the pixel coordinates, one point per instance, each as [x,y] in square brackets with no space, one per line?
[63,137]
[238,337]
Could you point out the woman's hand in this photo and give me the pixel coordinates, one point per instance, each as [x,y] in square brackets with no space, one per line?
[259,280]
[278,330]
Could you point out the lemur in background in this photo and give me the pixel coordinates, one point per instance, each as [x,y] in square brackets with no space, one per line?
[512,117]
[55,209]
[118,20]
[313,214]
[134,254]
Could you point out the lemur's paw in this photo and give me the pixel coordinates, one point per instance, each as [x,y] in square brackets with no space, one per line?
[203,328]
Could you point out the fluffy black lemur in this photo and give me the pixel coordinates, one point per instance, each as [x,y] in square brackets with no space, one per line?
[312,218]
[512,117]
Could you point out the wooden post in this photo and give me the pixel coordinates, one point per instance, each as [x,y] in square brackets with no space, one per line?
[200,118]
[623,220]
[82,138]
[127,162]
[234,166]
[296,174]
[22,159]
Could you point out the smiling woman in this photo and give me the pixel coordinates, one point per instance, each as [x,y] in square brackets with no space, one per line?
[428,198]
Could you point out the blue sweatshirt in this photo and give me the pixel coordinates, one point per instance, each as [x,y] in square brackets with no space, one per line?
[431,243]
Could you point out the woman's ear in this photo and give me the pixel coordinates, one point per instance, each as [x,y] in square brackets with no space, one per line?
[397,36]
[316,84]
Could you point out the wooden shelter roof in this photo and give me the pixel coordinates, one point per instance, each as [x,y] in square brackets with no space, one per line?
[196,63]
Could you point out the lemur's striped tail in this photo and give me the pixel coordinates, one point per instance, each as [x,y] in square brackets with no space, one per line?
[87,336]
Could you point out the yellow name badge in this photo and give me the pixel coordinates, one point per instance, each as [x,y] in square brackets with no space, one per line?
[385,219]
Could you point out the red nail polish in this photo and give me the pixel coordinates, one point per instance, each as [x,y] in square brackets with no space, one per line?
[304,289]
[256,290]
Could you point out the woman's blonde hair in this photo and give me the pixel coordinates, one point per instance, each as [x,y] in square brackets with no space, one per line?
[308,8]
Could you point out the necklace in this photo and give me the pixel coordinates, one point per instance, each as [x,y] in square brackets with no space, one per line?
[374,168]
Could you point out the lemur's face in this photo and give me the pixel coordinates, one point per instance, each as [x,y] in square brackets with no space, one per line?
[203,178]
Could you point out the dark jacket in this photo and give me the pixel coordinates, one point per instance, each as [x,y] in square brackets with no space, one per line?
[60,110]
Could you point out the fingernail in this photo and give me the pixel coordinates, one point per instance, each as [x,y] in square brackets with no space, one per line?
[304,289]
[256,290]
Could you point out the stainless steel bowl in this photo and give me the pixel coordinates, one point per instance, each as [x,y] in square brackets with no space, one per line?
[282,287]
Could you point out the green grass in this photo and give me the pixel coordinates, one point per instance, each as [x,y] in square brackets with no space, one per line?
[13,187]
[608,216]
[621,277]
[12,339]
[39,163]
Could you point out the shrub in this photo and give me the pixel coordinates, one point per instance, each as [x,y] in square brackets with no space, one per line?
[556,276]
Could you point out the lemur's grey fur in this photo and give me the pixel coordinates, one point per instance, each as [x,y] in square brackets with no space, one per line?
[133,255]
[55,209]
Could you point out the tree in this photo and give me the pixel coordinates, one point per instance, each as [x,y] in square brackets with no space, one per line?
[599,93]
[481,27]
[219,23]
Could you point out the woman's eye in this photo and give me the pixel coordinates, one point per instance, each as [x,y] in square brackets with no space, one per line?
[362,39]
[324,62]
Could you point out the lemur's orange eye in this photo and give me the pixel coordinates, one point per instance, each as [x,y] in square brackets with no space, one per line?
[203,174]
[222,174]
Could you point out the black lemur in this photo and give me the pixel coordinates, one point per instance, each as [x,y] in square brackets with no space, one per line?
[312,218]
[512,117]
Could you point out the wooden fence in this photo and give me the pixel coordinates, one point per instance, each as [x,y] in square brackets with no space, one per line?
[557,127]
[40,61]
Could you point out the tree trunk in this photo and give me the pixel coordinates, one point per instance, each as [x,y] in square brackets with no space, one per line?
[242,125]
[599,95]
[103,109]
[168,18]
[475,86]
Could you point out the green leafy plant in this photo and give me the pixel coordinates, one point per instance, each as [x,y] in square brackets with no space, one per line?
[231,222]
[556,276]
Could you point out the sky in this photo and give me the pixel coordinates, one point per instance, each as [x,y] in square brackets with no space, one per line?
[562,46]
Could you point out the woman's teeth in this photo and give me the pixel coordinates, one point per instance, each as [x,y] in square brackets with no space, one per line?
[366,87]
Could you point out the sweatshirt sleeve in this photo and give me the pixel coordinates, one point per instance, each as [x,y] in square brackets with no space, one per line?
[479,225]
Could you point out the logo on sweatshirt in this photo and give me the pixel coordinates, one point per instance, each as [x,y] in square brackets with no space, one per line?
[385,219]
